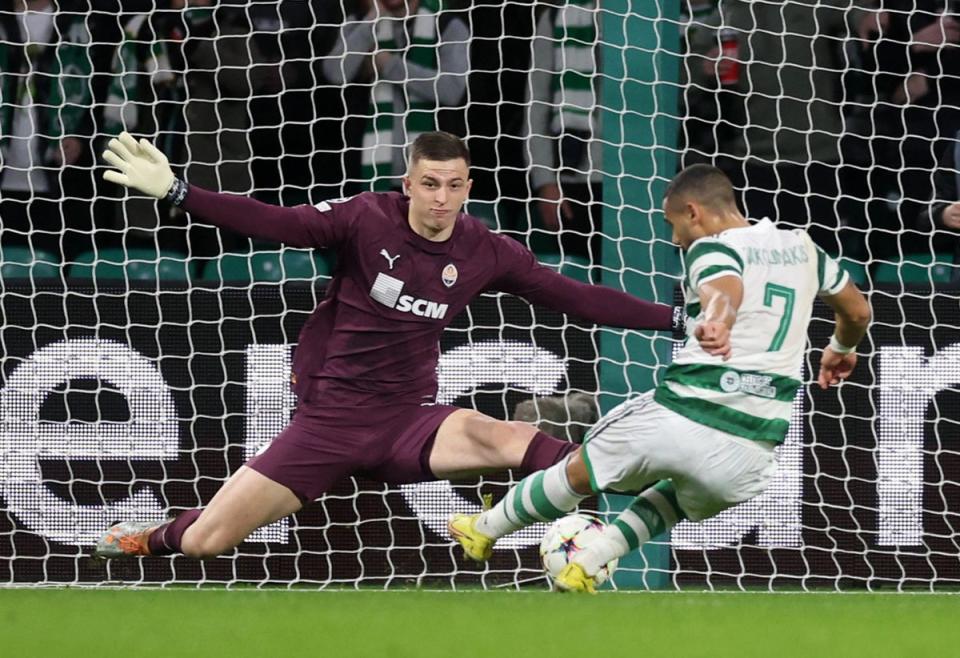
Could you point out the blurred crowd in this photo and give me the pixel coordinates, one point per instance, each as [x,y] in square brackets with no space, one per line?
[842,116]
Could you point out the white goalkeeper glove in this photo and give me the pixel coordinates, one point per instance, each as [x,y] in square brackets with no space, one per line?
[142,166]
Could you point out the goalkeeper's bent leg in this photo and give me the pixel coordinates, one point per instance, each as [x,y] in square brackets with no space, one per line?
[246,502]
[651,513]
[544,496]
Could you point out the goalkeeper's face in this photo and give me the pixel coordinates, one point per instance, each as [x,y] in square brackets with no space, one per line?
[437,191]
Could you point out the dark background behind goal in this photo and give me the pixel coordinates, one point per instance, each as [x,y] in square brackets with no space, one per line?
[364,532]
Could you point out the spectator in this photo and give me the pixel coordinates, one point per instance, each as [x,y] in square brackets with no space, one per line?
[699,98]
[499,88]
[298,141]
[943,212]
[563,122]
[45,125]
[918,108]
[225,68]
[416,57]
[140,78]
[783,62]
[145,96]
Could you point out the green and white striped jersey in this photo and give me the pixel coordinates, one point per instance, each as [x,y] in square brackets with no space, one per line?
[751,394]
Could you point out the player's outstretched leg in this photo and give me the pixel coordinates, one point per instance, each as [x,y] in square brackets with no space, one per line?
[468,443]
[247,501]
[544,496]
[651,513]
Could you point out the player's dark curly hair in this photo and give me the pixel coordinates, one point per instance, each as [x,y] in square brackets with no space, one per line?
[703,183]
[439,146]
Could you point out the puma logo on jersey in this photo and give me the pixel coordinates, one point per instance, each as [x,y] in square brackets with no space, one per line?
[387,291]
[390,259]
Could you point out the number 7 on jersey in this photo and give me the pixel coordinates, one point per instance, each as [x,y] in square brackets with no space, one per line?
[771,291]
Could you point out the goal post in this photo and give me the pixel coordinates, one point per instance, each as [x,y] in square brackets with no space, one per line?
[640,53]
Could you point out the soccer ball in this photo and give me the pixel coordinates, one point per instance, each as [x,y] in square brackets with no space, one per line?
[565,537]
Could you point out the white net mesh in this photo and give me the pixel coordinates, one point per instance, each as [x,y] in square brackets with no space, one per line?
[145,358]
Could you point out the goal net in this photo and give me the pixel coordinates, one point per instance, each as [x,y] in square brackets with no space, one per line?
[146,358]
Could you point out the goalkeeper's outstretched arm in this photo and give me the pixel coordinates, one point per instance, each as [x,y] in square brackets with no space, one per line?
[142,166]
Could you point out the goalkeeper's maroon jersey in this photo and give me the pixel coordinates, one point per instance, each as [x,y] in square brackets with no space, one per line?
[375,337]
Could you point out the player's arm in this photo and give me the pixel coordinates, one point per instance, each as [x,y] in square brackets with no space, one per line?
[720,299]
[519,273]
[714,271]
[143,167]
[852,314]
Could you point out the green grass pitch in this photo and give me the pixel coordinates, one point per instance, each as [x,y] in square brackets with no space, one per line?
[73,622]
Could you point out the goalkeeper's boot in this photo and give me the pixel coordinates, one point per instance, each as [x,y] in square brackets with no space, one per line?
[573,578]
[463,527]
[127,539]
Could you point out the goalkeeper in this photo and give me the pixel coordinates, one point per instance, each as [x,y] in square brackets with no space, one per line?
[365,365]
[706,434]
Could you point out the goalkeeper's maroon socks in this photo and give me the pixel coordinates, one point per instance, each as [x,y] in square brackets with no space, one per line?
[544,451]
[165,540]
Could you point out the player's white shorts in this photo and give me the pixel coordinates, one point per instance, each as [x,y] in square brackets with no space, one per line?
[640,442]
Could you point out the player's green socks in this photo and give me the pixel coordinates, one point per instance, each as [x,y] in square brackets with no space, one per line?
[654,511]
[544,496]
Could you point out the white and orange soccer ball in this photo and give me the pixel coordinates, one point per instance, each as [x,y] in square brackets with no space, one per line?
[565,537]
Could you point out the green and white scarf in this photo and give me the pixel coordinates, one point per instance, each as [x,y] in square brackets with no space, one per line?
[64,100]
[61,93]
[420,117]
[574,59]
[122,110]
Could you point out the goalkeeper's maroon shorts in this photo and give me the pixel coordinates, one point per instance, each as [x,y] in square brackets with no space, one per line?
[390,444]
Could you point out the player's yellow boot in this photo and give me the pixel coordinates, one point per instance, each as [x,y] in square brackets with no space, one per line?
[476,545]
[572,578]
